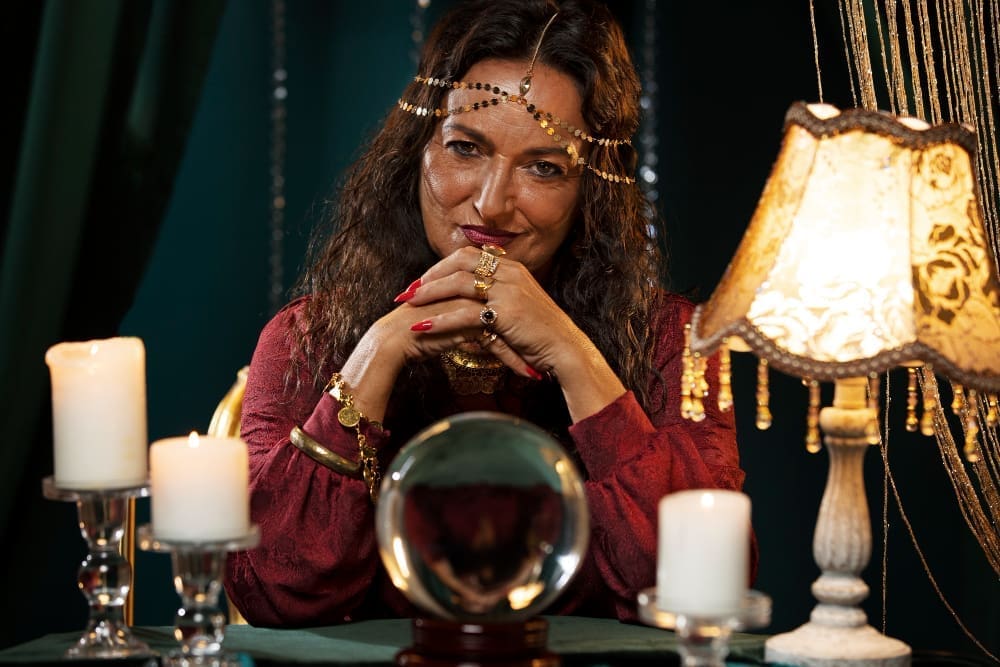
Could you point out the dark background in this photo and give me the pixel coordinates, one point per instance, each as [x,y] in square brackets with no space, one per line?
[187,271]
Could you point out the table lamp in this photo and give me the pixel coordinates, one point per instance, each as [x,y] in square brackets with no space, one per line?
[867,251]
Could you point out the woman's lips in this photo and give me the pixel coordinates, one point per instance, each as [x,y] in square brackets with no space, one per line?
[480,235]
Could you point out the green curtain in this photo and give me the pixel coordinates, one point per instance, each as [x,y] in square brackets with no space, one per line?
[109,102]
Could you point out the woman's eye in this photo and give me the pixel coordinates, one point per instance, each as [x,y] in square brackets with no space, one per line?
[547,169]
[463,148]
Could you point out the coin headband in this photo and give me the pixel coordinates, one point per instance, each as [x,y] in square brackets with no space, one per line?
[558,129]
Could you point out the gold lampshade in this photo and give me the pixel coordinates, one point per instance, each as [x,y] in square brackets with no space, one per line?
[867,250]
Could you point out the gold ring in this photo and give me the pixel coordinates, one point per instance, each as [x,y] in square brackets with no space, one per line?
[488,317]
[494,250]
[486,338]
[482,286]
[487,266]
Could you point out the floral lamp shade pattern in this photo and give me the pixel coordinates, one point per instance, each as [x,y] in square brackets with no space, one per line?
[867,250]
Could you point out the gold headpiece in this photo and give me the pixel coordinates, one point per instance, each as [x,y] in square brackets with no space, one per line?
[549,123]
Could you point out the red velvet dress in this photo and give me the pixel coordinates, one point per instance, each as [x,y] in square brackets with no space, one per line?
[318,562]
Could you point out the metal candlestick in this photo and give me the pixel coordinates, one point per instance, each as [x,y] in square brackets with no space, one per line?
[704,638]
[105,575]
[199,626]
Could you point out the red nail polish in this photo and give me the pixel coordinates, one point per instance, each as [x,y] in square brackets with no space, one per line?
[407,294]
[424,325]
[533,373]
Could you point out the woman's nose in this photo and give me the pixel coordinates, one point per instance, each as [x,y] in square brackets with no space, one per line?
[496,195]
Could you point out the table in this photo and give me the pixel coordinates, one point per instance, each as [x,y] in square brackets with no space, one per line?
[579,641]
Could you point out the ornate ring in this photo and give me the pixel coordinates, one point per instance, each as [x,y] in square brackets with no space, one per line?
[487,266]
[482,286]
[494,250]
[487,337]
[488,317]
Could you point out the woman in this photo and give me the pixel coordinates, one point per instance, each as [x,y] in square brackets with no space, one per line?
[500,194]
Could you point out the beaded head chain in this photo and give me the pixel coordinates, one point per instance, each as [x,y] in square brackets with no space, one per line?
[559,130]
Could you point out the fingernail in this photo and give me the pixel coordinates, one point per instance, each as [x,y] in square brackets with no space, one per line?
[407,294]
[424,325]
[533,373]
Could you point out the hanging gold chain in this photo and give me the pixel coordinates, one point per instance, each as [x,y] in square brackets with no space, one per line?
[950,79]
[819,76]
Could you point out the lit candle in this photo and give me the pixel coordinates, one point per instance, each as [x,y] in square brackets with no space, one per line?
[198,489]
[704,544]
[99,413]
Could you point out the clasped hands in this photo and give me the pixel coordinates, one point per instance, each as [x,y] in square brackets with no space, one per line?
[517,321]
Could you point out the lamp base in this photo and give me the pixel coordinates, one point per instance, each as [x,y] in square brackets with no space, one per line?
[814,645]
[441,643]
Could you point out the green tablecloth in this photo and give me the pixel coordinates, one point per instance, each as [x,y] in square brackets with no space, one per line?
[578,640]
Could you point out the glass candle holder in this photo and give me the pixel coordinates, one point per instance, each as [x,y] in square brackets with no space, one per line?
[200,625]
[105,575]
[704,638]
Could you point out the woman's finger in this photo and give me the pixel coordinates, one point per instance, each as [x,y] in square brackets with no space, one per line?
[499,348]
[457,284]
[473,260]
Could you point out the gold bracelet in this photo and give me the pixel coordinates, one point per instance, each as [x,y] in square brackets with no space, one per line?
[324,456]
[350,417]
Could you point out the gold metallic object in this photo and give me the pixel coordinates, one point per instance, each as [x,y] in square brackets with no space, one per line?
[911,400]
[525,85]
[473,373]
[482,287]
[322,455]
[487,338]
[867,251]
[559,130]
[813,444]
[349,417]
[487,266]
[763,420]
[488,316]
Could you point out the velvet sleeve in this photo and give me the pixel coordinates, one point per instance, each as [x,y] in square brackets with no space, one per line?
[633,457]
[317,556]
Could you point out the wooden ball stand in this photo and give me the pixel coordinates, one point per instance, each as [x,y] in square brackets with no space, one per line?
[444,643]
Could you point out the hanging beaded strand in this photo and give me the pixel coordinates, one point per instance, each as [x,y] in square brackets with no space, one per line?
[930,404]
[279,93]
[694,386]
[648,140]
[872,431]
[971,423]
[418,28]
[912,423]
[687,374]
[763,420]
[813,442]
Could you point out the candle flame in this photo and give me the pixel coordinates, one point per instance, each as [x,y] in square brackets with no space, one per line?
[193,439]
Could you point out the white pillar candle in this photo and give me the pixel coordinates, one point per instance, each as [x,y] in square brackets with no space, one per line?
[198,489]
[703,551]
[99,413]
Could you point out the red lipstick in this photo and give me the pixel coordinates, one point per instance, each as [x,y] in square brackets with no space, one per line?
[479,235]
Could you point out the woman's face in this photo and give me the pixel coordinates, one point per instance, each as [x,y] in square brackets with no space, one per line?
[495,176]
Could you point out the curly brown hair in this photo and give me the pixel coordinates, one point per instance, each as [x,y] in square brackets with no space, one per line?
[608,270]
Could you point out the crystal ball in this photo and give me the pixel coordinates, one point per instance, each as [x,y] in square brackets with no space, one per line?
[482,518]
